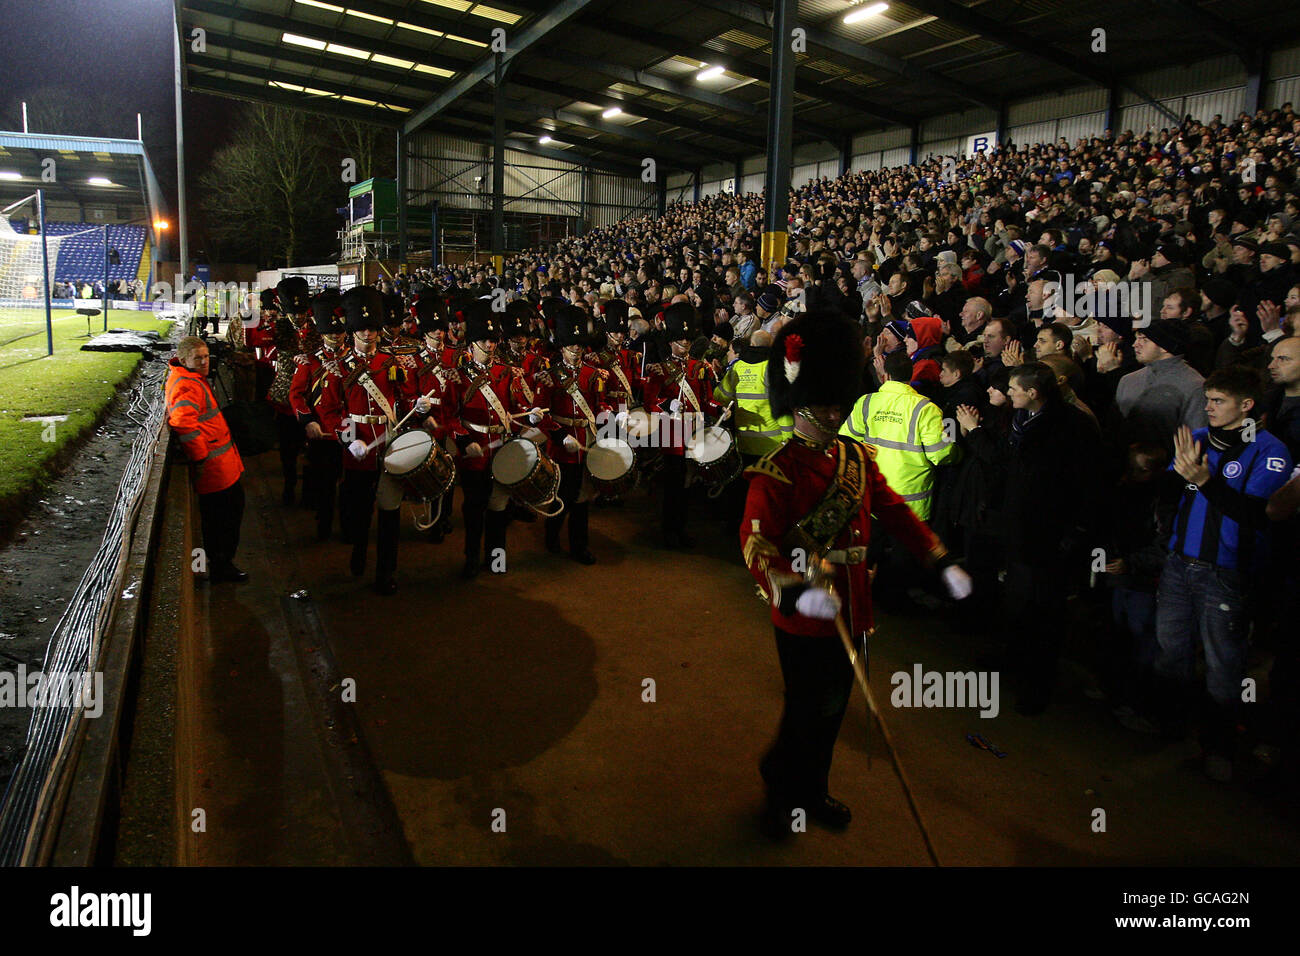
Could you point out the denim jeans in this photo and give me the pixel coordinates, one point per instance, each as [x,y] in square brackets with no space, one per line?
[1205,603]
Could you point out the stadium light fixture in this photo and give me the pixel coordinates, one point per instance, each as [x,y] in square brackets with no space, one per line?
[100,181]
[611,112]
[544,140]
[9,174]
[160,224]
[710,73]
[861,13]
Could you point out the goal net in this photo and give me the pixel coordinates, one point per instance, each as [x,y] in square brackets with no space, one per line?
[25,282]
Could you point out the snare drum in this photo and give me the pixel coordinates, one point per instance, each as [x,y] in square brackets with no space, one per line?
[531,478]
[611,464]
[425,470]
[716,456]
[640,435]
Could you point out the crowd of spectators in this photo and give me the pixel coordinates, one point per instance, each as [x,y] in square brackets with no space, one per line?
[1108,327]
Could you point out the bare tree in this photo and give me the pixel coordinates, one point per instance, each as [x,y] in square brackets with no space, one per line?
[268,187]
[373,147]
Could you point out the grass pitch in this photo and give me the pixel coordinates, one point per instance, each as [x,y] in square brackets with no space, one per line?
[71,383]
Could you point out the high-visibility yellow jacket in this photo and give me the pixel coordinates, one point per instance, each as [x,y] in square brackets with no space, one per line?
[758,432]
[907,432]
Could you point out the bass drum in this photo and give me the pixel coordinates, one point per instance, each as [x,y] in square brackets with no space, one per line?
[423,467]
[641,436]
[531,478]
[611,463]
[717,458]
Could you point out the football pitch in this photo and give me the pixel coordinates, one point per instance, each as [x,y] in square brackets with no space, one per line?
[48,401]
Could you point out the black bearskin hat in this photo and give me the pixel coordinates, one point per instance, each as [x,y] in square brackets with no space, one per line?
[294,295]
[616,316]
[268,300]
[519,317]
[481,323]
[327,310]
[822,352]
[364,307]
[428,313]
[679,322]
[573,326]
[394,309]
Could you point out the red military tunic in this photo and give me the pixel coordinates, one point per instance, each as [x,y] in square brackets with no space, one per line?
[668,380]
[309,382]
[784,487]
[565,416]
[622,387]
[341,400]
[471,417]
[432,379]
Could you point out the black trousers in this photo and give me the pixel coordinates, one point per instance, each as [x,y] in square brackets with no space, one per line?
[479,521]
[220,513]
[321,479]
[818,681]
[359,489]
[675,498]
[291,440]
[571,478]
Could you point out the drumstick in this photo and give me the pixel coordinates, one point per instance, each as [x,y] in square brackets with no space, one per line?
[371,446]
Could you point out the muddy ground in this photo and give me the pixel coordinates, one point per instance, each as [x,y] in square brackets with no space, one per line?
[50,550]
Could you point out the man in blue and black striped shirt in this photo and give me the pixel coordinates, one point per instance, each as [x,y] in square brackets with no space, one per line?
[1217,547]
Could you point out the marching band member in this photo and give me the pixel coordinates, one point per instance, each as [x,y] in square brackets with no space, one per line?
[294,311]
[680,388]
[623,385]
[574,393]
[433,378]
[816,494]
[362,409]
[480,403]
[324,460]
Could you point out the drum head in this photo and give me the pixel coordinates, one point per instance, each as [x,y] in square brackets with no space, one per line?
[638,422]
[408,451]
[514,461]
[711,445]
[610,458]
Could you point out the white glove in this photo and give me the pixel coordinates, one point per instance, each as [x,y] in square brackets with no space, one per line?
[675,406]
[571,443]
[474,450]
[423,405]
[358,449]
[819,603]
[621,419]
[957,582]
[534,415]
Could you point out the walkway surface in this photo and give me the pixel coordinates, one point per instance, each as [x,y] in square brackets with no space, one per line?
[503,721]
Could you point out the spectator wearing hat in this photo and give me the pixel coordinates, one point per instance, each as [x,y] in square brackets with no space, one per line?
[1217,297]
[1181,305]
[924,346]
[1274,279]
[1242,271]
[1166,393]
[1168,271]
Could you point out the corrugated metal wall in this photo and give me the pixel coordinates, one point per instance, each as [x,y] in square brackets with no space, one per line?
[1283,91]
[447,166]
[753,182]
[895,157]
[800,175]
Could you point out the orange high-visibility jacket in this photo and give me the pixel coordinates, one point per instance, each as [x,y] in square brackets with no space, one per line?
[193,414]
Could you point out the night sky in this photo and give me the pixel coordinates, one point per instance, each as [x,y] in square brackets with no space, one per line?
[123,48]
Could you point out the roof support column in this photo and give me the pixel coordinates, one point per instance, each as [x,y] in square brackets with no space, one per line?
[499,168]
[1256,80]
[780,138]
[846,154]
[914,145]
[401,200]
[695,183]
[1112,109]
